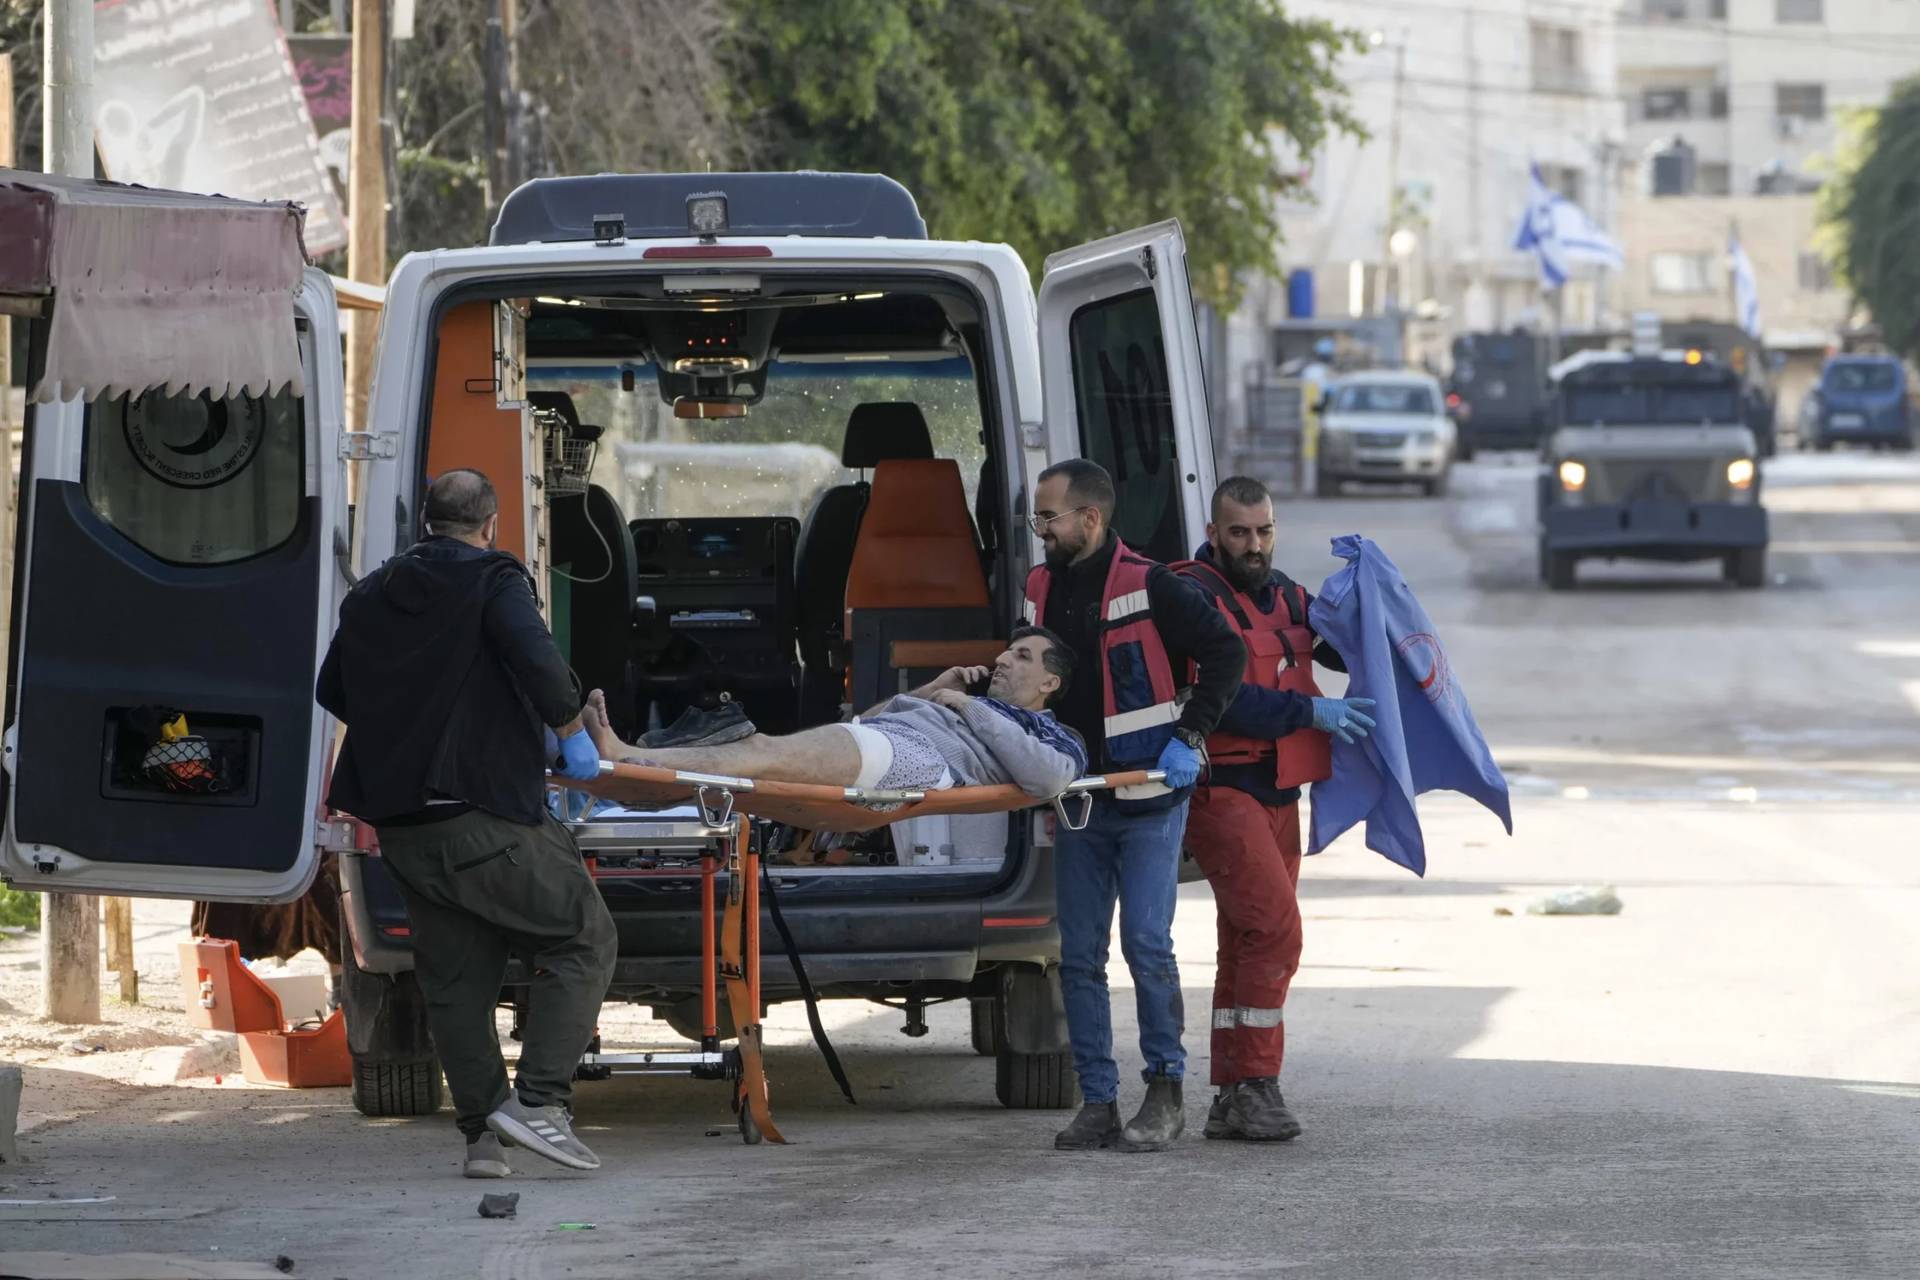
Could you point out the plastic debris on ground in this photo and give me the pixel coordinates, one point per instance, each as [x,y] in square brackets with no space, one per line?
[1580,900]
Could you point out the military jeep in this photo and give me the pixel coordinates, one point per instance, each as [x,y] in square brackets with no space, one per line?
[1650,458]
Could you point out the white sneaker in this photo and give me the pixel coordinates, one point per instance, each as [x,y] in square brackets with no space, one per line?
[545,1131]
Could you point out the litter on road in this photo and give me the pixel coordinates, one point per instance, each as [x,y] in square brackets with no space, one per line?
[1580,900]
[500,1206]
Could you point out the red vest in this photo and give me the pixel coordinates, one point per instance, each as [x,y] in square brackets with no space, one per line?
[1279,656]
[1139,697]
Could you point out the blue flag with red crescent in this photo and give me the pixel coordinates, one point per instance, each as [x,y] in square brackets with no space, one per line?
[1424,738]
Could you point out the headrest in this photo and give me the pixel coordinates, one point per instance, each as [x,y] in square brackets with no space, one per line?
[882,431]
[556,402]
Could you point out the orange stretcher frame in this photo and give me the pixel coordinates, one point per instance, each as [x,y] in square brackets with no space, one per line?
[730,946]
[816,807]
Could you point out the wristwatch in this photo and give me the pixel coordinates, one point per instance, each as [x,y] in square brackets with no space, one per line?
[1193,738]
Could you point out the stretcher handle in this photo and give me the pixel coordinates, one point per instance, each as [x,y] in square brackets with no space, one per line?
[1080,793]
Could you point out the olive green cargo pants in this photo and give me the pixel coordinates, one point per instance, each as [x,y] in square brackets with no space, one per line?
[478,890]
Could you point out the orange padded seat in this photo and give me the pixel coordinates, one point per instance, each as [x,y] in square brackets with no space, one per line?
[916,547]
[916,572]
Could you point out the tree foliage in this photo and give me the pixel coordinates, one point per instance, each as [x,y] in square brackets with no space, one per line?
[1045,125]
[1870,215]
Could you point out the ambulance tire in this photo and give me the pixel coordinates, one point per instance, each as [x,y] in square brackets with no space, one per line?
[684,1018]
[988,1038]
[395,1070]
[1036,1081]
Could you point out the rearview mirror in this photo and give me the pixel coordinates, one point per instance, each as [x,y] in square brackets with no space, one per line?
[687,407]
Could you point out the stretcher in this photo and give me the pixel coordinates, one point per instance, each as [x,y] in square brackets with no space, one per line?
[726,837]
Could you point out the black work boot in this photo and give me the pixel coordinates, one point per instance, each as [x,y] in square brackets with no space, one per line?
[1097,1126]
[1161,1118]
[1259,1114]
[1217,1126]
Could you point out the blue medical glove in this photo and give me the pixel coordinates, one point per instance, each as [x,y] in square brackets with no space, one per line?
[1181,762]
[579,759]
[1342,717]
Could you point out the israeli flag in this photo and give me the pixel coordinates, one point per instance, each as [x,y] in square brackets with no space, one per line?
[1746,291]
[1559,233]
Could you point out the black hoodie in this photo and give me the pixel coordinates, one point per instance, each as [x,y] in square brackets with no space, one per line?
[446,678]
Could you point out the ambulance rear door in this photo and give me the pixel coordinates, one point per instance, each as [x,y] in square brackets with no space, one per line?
[178,566]
[1123,385]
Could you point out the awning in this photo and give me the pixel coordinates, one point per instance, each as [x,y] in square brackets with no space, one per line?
[146,289]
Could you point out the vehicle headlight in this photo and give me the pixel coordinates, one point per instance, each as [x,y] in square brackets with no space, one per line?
[1740,473]
[1573,475]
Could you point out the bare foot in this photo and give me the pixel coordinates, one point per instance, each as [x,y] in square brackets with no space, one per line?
[594,717]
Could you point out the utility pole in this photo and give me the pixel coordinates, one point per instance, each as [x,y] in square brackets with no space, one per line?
[69,922]
[1476,259]
[367,197]
[6,381]
[1388,293]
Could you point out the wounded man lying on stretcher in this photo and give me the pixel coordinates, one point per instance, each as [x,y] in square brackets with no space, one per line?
[933,738]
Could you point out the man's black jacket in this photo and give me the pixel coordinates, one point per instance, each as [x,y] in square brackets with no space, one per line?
[446,678]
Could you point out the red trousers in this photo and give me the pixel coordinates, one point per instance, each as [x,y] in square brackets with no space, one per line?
[1251,855]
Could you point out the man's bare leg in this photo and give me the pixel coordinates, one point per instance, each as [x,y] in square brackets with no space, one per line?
[826,755]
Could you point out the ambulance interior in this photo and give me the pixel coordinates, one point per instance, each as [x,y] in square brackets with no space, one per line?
[779,490]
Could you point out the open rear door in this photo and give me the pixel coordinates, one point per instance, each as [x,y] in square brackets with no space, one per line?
[173,594]
[1123,386]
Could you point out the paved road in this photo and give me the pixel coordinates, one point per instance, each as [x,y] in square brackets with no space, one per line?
[1723,1080]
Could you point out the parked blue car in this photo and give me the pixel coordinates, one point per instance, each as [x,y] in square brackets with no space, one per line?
[1860,399]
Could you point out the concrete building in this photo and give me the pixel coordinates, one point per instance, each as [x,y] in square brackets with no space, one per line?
[1459,99]
[1756,88]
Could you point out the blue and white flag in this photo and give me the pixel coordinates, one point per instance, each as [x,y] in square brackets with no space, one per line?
[1746,291]
[1560,233]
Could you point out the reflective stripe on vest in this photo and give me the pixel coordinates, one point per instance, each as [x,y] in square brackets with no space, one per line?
[1139,696]
[1279,656]
[1227,1019]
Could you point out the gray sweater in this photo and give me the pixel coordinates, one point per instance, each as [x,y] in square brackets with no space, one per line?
[983,746]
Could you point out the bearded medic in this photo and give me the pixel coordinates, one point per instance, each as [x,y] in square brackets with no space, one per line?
[1243,828]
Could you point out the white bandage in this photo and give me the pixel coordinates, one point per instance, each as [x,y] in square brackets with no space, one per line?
[876,753]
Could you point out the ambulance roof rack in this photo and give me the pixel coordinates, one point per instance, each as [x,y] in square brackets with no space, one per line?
[656,206]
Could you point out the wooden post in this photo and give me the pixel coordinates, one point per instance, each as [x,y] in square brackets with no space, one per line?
[69,922]
[367,197]
[119,912]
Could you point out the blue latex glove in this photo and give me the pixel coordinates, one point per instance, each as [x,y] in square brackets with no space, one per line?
[1342,717]
[1181,762]
[579,759]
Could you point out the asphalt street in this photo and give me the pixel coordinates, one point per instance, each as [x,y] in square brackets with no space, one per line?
[1723,1080]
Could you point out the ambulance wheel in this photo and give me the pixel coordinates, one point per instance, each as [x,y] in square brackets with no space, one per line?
[1035,1081]
[684,1018]
[395,1072]
[1747,567]
[988,1039]
[1559,567]
[1325,486]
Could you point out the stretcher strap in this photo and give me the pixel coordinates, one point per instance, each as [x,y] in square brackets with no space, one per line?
[807,992]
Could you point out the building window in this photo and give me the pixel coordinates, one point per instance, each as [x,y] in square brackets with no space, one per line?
[1681,272]
[1717,103]
[1557,65]
[1671,10]
[1713,179]
[1815,275]
[1564,180]
[1800,101]
[1665,104]
[1799,10]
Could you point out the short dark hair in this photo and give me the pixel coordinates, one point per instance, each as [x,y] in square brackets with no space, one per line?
[1244,490]
[1057,658]
[459,502]
[1088,484]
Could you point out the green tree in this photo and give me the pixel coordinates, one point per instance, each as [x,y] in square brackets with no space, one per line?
[1870,215]
[1046,125]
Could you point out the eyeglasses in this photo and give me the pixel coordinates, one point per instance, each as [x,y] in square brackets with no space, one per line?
[1039,521]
